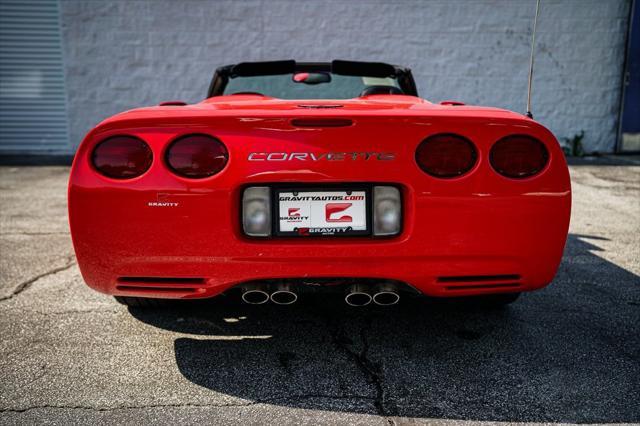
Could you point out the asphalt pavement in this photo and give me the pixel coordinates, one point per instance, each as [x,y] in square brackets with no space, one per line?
[569,353]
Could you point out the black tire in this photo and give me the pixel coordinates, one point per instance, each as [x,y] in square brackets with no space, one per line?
[141,302]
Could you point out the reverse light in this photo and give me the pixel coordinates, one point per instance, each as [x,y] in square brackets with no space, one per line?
[122,157]
[446,155]
[518,156]
[256,211]
[196,156]
[387,211]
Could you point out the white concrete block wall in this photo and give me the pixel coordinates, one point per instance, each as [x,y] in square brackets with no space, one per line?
[124,54]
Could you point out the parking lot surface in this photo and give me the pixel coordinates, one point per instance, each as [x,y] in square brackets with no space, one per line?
[569,353]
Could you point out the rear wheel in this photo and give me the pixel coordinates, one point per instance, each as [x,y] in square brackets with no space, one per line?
[141,302]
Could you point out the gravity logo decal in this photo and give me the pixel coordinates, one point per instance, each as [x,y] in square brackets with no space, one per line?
[294,211]
[333,210]
[305,232]
[294,216]
[162,201]
[325,156]
[161,204]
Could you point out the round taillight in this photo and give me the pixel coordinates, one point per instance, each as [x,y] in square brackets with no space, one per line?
[518,156]
[196,156]
[122,157]
[446,155]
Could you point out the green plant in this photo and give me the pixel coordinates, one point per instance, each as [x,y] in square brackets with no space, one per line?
[573,146]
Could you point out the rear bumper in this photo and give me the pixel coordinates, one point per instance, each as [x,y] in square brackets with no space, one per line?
[449,246]
[434,277]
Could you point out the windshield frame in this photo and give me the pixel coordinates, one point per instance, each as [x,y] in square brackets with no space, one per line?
[223,74]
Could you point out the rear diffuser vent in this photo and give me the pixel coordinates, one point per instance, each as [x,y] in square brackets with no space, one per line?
[170,286]
[480,282]
[161,280]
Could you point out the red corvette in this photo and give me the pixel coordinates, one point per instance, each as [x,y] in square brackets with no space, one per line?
[318,176]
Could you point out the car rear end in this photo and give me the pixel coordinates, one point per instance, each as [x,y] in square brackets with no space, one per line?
[441,201]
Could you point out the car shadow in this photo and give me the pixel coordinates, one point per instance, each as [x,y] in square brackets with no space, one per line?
[568,353]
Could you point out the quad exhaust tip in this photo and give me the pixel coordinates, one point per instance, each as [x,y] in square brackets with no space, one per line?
[386,295]
[358,295]
[257,295]
[383,295]
[283,295]
[254,295]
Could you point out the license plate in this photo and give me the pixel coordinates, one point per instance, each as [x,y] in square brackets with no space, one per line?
[322,212]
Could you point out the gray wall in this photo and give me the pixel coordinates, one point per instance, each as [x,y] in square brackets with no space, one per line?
[125,54]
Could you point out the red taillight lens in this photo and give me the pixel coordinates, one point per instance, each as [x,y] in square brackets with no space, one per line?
[446,155]
[122,157]
[518,156]
[196,156]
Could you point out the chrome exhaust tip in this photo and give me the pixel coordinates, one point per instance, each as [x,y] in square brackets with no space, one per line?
[283,295]
[386,295]
[358,295]
[254,295]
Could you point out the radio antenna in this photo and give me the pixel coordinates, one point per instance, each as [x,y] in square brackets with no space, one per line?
[533,48]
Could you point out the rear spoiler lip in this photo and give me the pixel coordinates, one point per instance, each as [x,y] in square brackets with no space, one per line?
[179,118]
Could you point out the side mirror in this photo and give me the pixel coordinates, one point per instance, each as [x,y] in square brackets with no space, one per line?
[452,103]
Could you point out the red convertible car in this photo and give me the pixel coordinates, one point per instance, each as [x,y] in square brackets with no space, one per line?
[291,177]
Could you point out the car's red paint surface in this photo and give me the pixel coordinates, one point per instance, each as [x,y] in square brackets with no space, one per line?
[162,225]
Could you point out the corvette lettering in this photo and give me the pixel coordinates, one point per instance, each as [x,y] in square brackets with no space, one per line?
[324,156]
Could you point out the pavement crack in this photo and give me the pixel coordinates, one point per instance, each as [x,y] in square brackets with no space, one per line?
[77,312]
[374,371]
[311,396]
[26,284]
[183,405]
[119,407]
[370,369]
